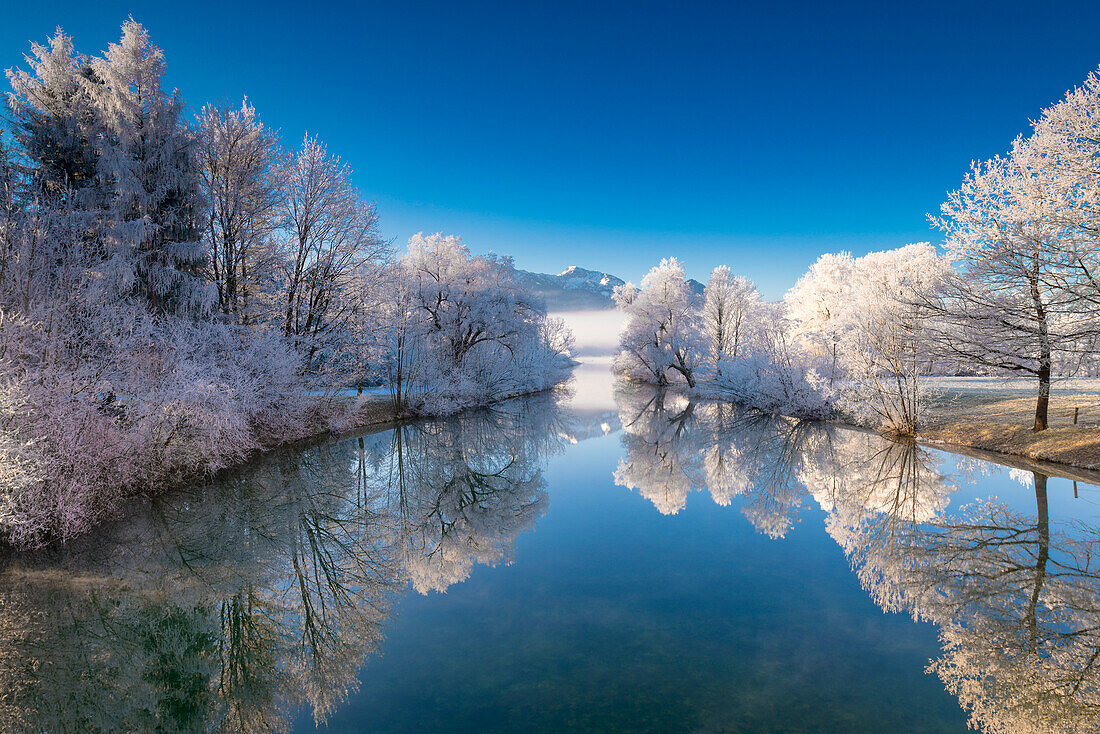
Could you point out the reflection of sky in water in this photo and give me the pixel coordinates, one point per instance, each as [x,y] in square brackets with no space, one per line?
[980,480]
[597,335]
[591,385]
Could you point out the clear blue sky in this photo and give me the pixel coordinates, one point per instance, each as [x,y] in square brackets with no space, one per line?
[609,135]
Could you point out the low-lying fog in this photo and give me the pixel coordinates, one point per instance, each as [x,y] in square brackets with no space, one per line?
[597,334]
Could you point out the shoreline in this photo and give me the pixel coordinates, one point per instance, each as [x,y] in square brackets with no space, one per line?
[998,429]
[1014,460]
[1062,466]
[1071,452]
[1075,450]
[998,453]
[372,416]
[380,415]
[1049,467]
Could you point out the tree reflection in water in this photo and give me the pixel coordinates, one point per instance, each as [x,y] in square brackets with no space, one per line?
[459,492]
[1016,597]
[673,446]
[230,606]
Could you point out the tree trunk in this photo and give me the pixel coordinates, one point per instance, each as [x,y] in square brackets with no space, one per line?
[1042,403]
[1042,555]
[680,367]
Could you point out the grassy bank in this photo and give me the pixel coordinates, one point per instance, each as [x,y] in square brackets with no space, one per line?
[996,415]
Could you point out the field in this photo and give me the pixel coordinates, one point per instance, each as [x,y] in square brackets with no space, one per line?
[1013,399]
[996,414]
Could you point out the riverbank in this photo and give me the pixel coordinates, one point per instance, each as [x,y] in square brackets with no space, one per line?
[996,416]
[363,414]
[332,419]
[993,417]
[1077,446]
[374,411]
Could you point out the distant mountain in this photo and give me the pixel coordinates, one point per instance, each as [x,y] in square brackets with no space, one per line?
[573,289]
[578,289]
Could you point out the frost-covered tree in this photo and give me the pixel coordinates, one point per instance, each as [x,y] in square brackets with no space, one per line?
[401,349]
[238,159]
[1066,140]
[729,305]
[1013,304]
[852,331]
[864,322]
[468,301]
[661,337]
[774,372]
[53,120]
[746,348]
[884,340]
[359,349]
[459,330]
[816,305]
[146,164]
[331,233]
[661,458]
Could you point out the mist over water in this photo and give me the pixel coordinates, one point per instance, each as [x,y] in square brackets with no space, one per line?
[597,335]
[597,332]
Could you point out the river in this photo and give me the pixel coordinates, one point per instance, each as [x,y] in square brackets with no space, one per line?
[596,558]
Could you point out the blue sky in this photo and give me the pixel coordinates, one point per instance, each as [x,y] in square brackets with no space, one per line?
[610,135]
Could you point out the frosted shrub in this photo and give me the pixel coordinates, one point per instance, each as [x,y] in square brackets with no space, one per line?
[209,394]
[20,479]
[64,461]
[155,403]
[772,373]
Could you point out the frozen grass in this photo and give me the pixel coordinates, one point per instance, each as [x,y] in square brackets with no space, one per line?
[996,414]
[1012,400]
[1014,386]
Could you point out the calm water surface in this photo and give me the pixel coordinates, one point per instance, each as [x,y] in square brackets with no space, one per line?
[600,559]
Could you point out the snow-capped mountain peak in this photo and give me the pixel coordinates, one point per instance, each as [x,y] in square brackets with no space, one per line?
[573,288]
[577,288]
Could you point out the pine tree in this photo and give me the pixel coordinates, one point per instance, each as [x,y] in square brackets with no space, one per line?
[146,161]
[53,120]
